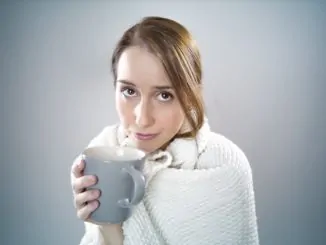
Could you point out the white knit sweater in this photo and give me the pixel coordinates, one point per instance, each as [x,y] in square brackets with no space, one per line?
[199,192]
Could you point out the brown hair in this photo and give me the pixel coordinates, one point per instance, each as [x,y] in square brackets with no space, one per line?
[174,46]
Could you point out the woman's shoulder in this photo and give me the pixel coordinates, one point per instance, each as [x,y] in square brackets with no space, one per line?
[221,151]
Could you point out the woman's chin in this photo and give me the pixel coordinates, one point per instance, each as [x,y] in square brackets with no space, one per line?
[145,149]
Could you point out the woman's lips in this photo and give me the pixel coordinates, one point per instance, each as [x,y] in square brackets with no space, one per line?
[141,136]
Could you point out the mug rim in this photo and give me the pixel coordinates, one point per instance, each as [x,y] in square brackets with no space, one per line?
[89,152]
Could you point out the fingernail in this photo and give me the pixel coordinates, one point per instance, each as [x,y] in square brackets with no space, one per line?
[96,193]
[99,193]
[94,205]
[94,179]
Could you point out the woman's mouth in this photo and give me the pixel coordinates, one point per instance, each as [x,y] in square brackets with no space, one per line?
[141,136]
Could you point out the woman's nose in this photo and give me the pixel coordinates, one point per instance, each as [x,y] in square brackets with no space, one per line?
[143,115]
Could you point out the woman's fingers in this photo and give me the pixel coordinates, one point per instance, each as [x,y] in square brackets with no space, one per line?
[85,201]
[86,196]
[84,212]
[77,167]
[79,184]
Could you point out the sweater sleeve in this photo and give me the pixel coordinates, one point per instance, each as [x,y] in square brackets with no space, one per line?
[213,204]
[102,235]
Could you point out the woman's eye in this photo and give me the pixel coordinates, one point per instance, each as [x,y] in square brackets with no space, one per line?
[128,92]
[164,96]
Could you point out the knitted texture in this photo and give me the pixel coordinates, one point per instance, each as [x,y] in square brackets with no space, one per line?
[199,191]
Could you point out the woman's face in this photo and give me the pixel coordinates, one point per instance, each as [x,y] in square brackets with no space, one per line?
[146,102]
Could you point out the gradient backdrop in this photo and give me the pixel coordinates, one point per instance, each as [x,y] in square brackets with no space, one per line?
[265,82]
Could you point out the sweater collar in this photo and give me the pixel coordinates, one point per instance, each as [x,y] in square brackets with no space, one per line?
[180,153]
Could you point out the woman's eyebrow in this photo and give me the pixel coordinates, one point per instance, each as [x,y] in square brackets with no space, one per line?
[126,82]
[161,87]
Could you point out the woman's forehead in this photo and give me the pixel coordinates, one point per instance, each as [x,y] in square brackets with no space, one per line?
[139,66]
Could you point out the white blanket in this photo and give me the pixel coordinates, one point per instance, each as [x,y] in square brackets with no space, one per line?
[199,191]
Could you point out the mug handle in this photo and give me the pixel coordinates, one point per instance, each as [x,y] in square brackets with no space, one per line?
[139,187]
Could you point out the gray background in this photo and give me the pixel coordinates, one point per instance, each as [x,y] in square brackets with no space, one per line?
[264,74]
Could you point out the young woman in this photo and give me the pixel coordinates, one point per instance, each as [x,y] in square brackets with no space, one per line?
[199,184]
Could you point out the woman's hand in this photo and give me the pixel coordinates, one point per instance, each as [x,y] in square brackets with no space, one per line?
[85,201]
